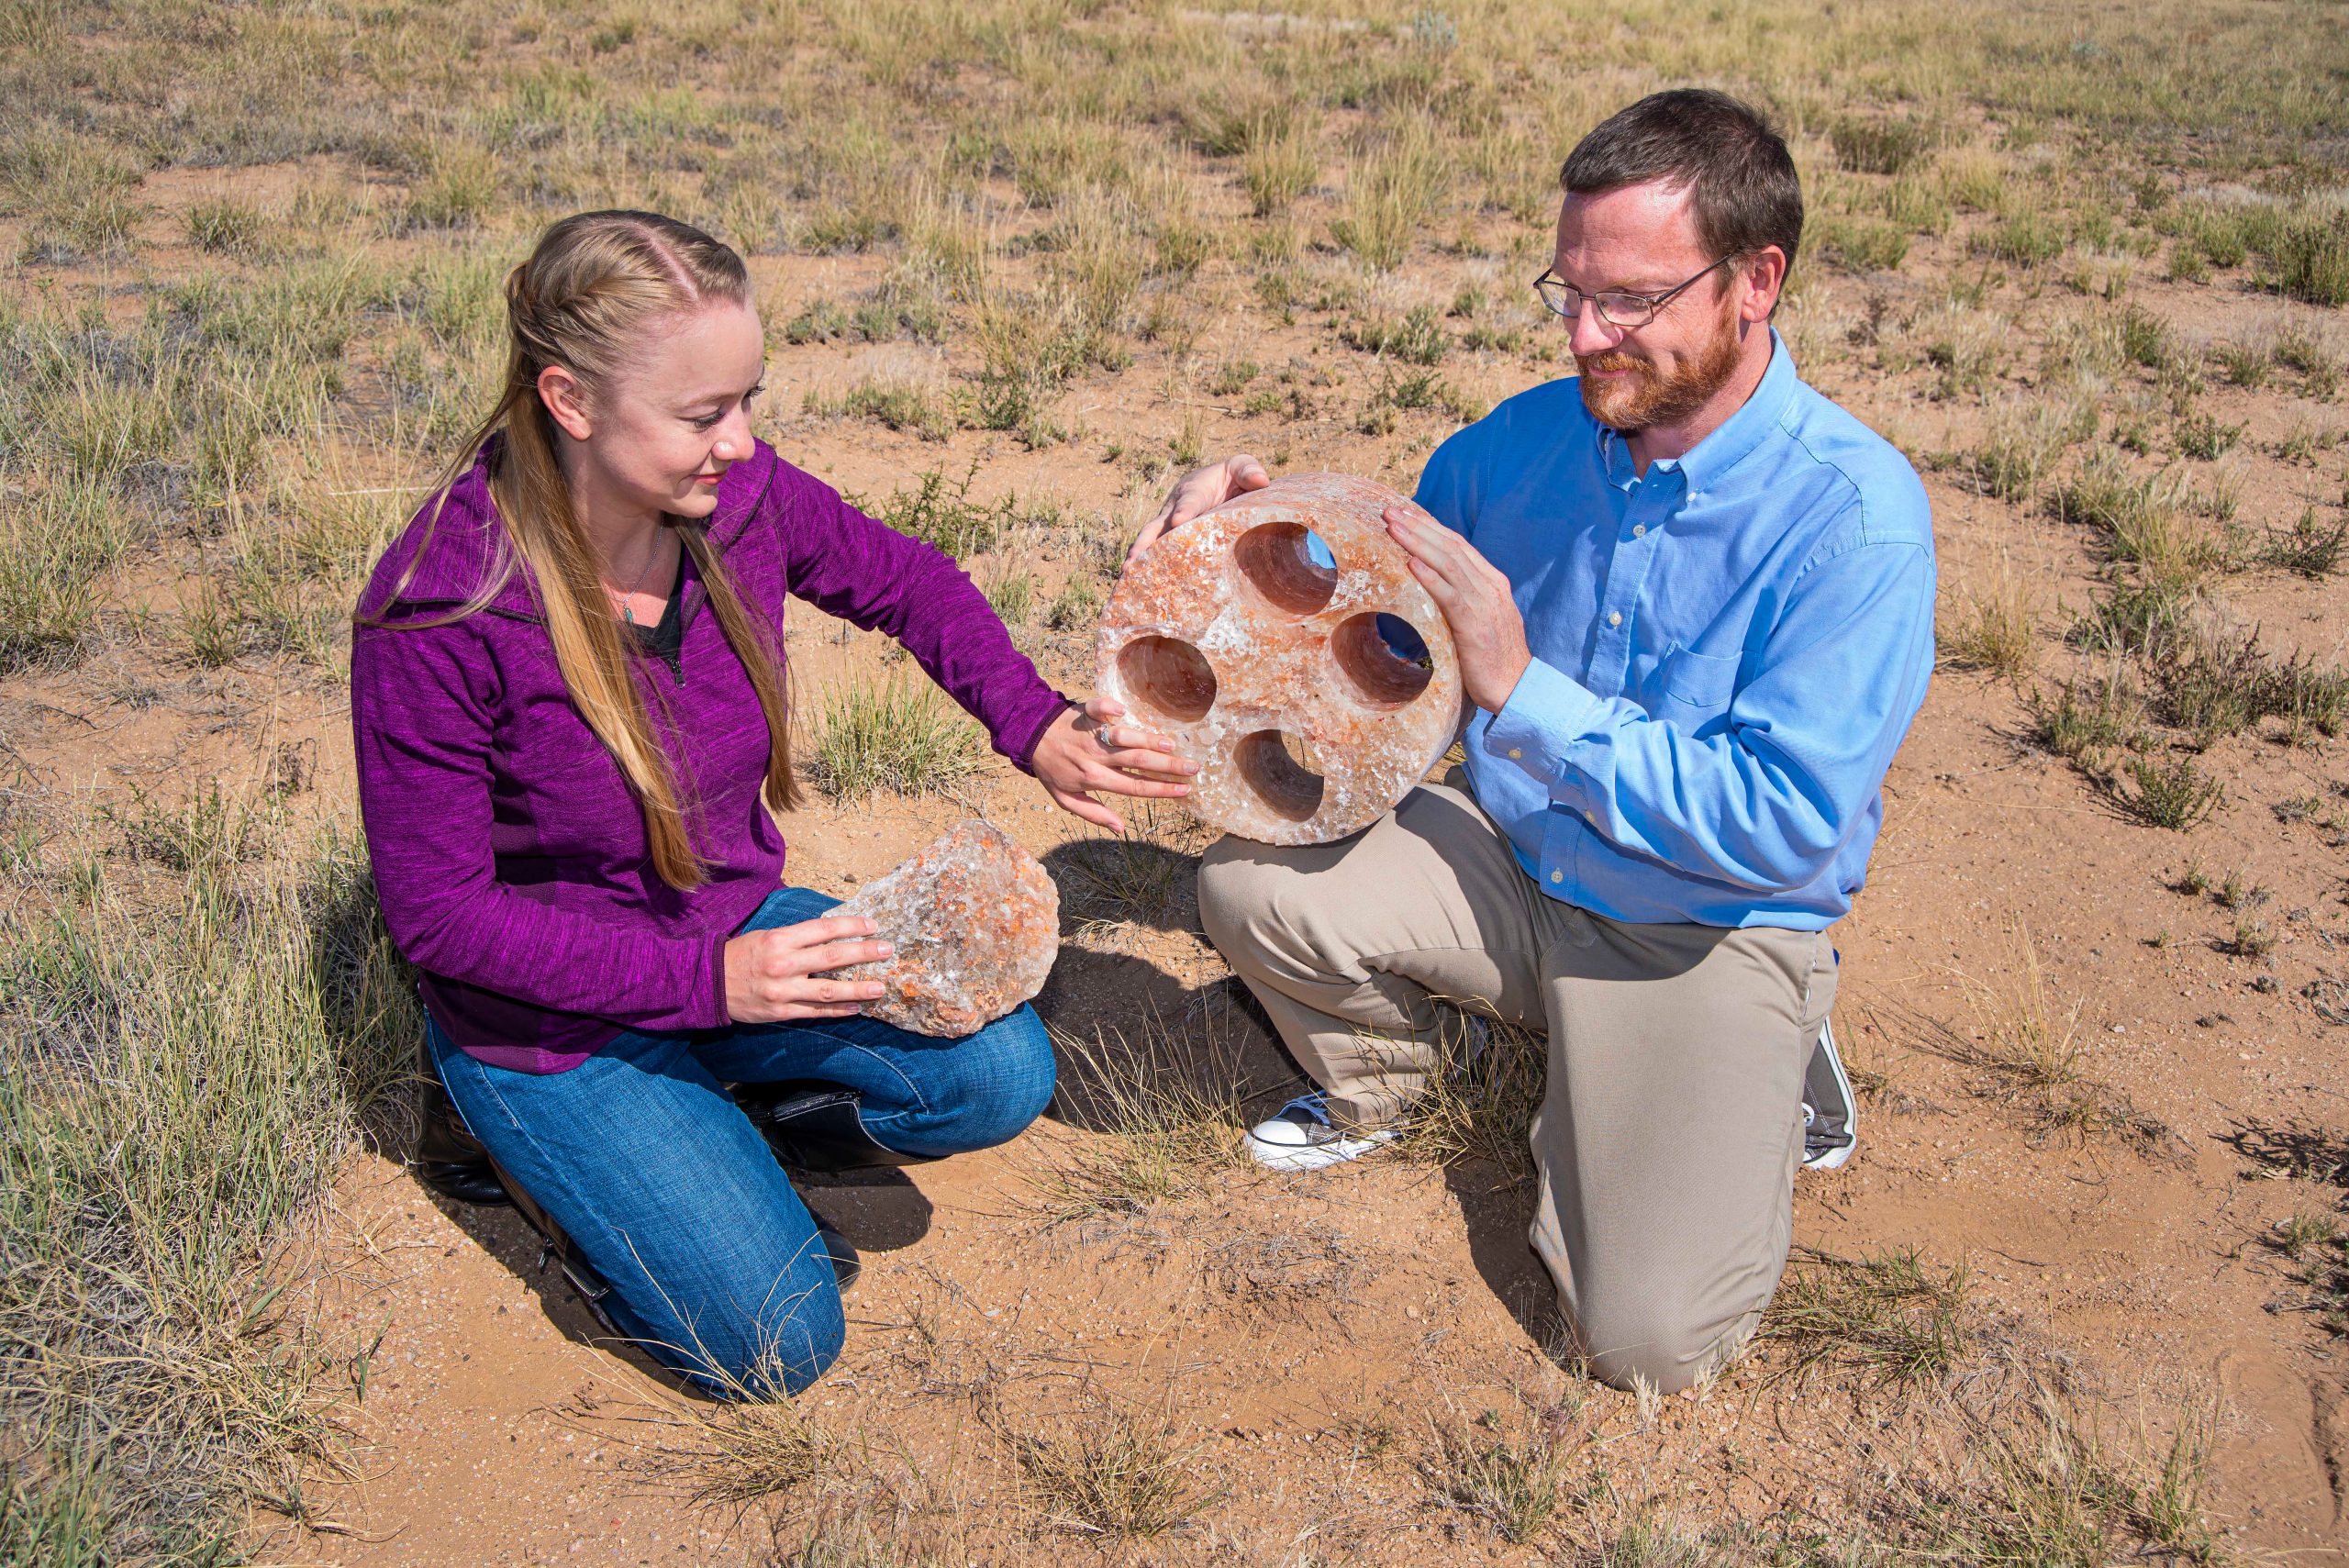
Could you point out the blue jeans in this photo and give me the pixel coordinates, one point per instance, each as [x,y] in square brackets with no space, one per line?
[668,1192]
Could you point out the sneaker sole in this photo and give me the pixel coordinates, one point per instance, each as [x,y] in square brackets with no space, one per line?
[1314,1157]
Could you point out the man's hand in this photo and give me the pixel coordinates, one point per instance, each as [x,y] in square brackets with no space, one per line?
[1087,750]
[769,974]
[1201,490]
[1486,630]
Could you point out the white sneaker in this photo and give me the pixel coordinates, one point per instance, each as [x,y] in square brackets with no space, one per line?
[1831,1112]
[1299,1138]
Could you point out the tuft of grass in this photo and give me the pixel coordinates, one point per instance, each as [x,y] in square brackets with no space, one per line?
[1166,1108]
[899,402]
[54,551]
[225,226]
[1891,1319]
[2022,442]
[1278,169]
[744,1449]
[2309,253]
[1073,608]
[2030,1055]
[1879,147]
[1861,244]
[1480,1108]
[458,190]
[1113,1474]
[1515,1486]
[2175,795]
[2086,719]
[897,735]
[2043,1482]
[2313,548]
[1144,875]
[2314,359]
[1392,193]
[939,511]
[2027,238]
[1993,629]
[1416,338]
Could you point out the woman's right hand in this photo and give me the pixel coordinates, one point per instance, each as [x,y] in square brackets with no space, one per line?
[770,975]
[1201,490]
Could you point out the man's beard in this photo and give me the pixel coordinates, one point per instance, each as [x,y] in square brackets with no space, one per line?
[1649,399]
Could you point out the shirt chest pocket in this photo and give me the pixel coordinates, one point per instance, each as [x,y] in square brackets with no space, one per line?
[1700,681]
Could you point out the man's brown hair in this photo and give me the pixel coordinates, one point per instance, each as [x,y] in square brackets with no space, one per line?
[1744,192]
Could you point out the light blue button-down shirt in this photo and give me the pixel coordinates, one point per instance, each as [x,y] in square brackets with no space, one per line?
[1727,650]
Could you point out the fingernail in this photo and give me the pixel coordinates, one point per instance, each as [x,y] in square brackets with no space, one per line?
[887,951]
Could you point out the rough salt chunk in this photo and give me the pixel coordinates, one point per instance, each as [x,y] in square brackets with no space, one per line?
[1281,676]
[975,921]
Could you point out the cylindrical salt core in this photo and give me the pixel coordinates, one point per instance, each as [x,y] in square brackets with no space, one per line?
[1314,688]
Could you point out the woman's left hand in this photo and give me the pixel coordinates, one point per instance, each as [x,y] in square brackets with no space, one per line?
[1087,749]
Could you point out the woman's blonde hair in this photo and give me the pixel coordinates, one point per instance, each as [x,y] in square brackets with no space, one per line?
[583,301]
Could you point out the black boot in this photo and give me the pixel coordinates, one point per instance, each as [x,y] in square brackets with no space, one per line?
[847,1267]
[592,1286]
[815,1127]
[448,1159]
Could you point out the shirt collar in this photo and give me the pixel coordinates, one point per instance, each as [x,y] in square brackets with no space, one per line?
[1729,443]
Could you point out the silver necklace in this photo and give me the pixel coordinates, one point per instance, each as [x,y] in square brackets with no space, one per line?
[627,612]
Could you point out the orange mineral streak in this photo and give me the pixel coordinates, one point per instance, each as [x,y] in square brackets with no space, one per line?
[975,921]
[1268,669]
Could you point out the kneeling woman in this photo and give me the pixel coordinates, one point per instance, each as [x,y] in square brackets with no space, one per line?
[568,698]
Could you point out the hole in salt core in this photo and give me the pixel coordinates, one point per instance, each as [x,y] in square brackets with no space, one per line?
[1169,675]
[1279,769]
[1385,658]
[1290,566]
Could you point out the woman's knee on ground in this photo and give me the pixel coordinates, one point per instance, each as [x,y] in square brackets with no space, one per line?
[988,1088]
[736,1349]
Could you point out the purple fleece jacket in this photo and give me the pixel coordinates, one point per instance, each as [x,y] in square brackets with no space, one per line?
[510,856]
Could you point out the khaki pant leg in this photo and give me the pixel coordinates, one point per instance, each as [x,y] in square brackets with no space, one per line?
[1670,1133]
[1348,944]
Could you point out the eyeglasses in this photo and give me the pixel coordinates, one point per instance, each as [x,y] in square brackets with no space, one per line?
[1617,308]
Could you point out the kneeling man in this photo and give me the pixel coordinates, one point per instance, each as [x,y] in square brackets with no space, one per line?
[1693,604]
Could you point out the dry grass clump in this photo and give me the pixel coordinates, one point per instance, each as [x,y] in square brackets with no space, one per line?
[893,735]
[2030,1054]
[739,1451]
[1480,1106]
[183,1064]
[1891,1319]
[1515,1483]
[1163,1110]
[1113,1472]
[2049,1481]
[1995,627]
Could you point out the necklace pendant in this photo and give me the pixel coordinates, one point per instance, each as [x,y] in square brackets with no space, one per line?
[628,613]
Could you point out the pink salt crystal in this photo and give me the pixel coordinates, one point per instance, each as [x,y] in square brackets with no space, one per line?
[975,921]
[1269,670]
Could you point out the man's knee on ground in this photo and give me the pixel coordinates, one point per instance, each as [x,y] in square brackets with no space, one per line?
[1655,1345]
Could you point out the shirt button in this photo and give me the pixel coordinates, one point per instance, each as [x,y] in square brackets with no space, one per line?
[1614,618]
[1516,754]
[1639,530]
[1557,876]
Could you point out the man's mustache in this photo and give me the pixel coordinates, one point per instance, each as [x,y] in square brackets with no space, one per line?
[1614,360]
